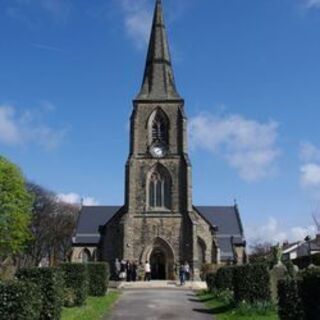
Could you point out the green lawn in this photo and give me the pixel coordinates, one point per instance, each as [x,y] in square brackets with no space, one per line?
[95,308]
[222,311]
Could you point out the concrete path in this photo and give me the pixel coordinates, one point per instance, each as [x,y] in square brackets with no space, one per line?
[159,304]
[190,285]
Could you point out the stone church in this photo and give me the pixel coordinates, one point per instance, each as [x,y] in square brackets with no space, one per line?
[158,221]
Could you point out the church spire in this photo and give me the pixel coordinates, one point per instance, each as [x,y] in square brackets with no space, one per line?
[158,80]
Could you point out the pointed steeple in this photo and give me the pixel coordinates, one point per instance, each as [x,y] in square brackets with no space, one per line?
[158,80]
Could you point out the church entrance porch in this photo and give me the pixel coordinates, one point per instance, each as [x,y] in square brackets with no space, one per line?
[158,265]
[161,258]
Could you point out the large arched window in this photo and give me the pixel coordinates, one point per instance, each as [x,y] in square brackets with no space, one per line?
[85,256]
[159,188]
[159,127]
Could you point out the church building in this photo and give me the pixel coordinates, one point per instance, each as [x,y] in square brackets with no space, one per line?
[158,221]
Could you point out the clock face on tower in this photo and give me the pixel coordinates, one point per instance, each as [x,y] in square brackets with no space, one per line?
[158,151]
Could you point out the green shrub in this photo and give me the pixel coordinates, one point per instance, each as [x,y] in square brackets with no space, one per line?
[19,300]
[305,261]
[310,293]
[255,309]
[210,279]
[224,279]
[98,274]
[225,296]
[251,283]
[290,268]
[50,284]
[289,305]
[76,282]
[207,268]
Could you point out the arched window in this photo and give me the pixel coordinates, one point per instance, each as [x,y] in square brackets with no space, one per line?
[159,192]
[159,127]
[159,130]
[85,256]
[201,251]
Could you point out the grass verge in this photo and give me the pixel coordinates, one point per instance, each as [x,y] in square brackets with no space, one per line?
[224,311]
[94,309]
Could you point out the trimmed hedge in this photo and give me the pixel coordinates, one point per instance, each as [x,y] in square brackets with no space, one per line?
[98,274]
[289,305]
[251,283]
[310,293]
[19,300]
[50,284]
[304,262]
[224,279]
[210,279]
[76,283]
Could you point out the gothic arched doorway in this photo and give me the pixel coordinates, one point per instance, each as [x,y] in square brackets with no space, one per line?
[161,257]
[158,264]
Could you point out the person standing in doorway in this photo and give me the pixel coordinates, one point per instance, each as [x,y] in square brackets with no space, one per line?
[147,271]
[187,271]
[182,274]
[129,270]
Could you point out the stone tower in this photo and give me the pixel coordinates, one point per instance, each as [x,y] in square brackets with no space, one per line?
[157,223]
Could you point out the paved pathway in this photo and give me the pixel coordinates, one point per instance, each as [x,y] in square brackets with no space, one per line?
[159,304]
[190,285]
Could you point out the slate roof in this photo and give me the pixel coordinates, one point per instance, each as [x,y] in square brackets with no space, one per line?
[229,227]
[158,81]
[226,219]
[89,222]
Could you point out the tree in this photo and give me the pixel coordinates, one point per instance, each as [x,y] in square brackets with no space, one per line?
[261,252]
[43,206]
[63,221]
[52,227]
[15,210]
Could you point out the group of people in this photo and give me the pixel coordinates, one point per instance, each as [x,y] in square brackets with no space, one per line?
[132,270]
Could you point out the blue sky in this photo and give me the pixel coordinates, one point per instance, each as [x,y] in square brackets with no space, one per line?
[249,72]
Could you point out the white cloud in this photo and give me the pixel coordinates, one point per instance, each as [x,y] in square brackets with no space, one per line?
[309,152]
[312,3]
[74,198]
[310,169]
[300,233]
[273,232]
[310,175]
[9,131]
[28,127]
[248,145]
[137,19]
